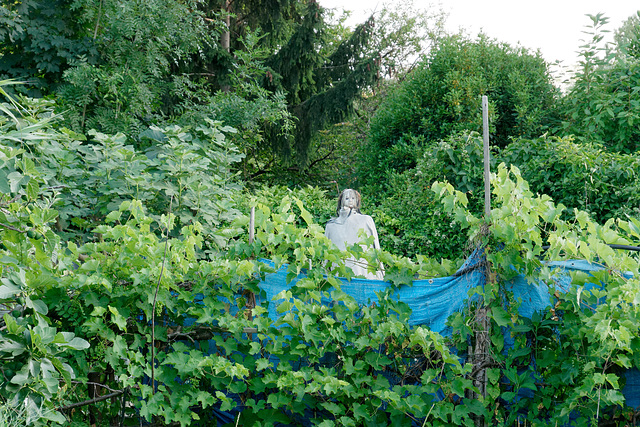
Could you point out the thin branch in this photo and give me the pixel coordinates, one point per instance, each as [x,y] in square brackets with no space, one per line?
[155,299]
[265,169]
[95,33]
[478,368]
[15,199]
[11,228]
[316,161]
[200,74]
[97,384]
[201,333]
[56,187]
[92,401]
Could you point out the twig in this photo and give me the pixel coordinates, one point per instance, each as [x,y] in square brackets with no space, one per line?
[95,32]
[155,299]
[479,368]
[11,228]
[96,384]
[92,401]
[55,187]
[205,333]
[12,200]
[427,417]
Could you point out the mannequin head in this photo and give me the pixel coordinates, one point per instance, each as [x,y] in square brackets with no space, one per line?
[350,199]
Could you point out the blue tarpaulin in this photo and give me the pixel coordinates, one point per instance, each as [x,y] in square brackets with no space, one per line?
[432,301]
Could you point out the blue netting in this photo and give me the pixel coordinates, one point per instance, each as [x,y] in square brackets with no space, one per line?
[433,301]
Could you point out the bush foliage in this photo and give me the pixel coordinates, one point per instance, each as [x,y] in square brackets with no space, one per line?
[443,96]
[138,304]
[129,287]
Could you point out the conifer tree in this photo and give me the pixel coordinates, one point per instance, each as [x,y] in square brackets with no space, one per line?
[319,90]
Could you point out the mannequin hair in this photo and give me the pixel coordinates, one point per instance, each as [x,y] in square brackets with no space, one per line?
[358,198]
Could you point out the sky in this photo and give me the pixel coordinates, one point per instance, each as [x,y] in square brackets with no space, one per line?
[552,26]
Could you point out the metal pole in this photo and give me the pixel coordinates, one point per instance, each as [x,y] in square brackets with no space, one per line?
[485,140]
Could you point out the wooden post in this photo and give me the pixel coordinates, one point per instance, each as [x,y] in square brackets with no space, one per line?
[481,351]
[251,297]
[487,175]
[252,220]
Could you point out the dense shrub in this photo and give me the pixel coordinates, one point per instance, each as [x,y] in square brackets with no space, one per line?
[602,104]
[409,215]
[443,96]
[122,312]
[39,40]
[184,170]
[411,221]
[579,175]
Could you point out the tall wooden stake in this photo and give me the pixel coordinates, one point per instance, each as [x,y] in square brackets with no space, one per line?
[252,221]
[481,353]
[487,174]
[251,300]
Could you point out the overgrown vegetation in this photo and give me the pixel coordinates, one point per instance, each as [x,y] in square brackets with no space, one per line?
[130,288]
[442,97]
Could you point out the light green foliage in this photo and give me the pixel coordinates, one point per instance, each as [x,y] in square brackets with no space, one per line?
[404,32]
[186,170]
[317,202]
[587,334]
[329,358]
[349,364]
[627,37]
[140,310]
[35,354]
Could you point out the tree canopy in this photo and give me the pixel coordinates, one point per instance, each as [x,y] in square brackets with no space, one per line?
[443,96]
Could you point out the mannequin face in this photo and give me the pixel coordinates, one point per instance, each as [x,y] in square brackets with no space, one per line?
[349,199]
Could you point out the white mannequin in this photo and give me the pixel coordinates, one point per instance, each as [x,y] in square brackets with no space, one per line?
[344,231]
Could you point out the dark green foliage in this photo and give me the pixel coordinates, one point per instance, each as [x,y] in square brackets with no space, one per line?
[39,40]
[579,175]
[459,159]
[411,221]
[275,18]
[319,91]
[410,217]
[334,152]
[602,106]
[443,96]
[295,62]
